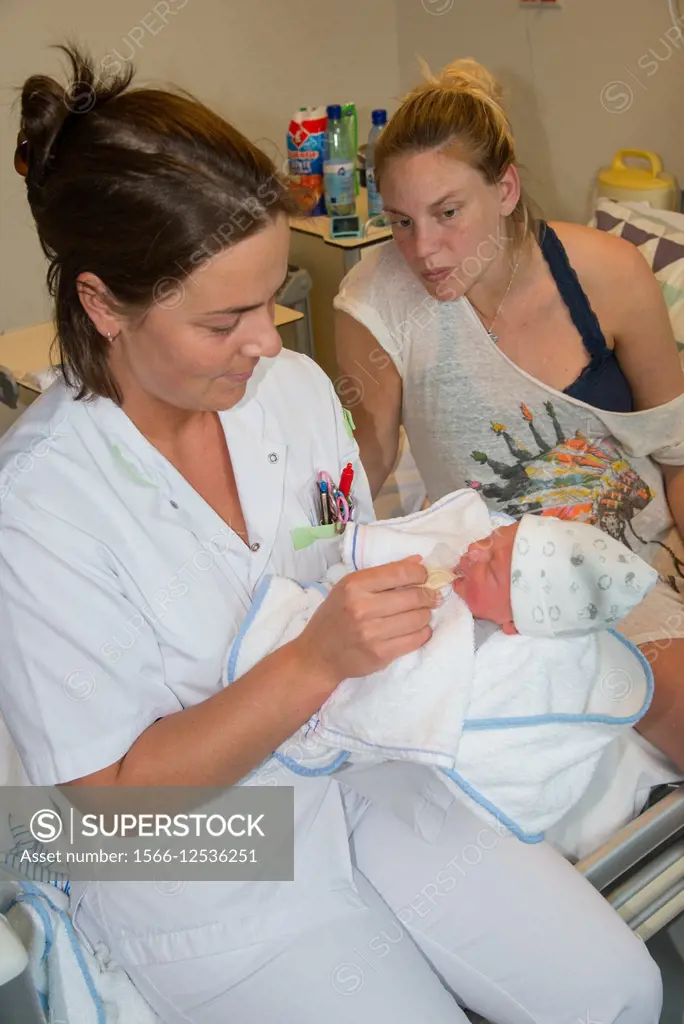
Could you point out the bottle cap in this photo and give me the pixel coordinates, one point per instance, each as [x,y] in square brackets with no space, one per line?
[335,112]
[379,116]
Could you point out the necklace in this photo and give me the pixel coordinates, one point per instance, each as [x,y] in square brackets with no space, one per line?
[490,329]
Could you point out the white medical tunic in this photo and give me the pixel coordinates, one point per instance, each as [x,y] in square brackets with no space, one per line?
[121,591]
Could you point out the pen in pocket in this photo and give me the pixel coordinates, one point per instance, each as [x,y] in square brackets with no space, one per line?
[325,508]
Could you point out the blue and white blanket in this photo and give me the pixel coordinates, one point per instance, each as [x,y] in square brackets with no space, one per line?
[517,724]
[73,984]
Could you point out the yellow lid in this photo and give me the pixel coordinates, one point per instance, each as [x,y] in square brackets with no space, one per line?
[618,175]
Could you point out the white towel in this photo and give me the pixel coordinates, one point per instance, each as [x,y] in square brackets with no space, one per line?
[518,726]
[74,986]
[440,534]
[542,713]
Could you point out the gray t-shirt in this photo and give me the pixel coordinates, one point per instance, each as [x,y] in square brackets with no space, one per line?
[474,418]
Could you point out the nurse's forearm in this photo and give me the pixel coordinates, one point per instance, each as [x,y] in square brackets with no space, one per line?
[217,742]
[368,620]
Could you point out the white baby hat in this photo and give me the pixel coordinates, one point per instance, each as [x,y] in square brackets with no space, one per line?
[570,578]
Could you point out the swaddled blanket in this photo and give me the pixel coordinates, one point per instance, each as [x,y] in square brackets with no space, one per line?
[518,724]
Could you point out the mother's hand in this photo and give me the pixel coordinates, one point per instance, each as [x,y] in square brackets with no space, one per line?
[370,618]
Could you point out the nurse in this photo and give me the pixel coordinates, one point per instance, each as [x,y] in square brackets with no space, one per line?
[142,499]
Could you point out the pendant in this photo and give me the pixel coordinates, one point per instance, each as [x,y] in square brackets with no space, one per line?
[493,336]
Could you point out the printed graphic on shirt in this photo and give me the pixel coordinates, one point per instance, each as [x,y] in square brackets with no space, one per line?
[568,477]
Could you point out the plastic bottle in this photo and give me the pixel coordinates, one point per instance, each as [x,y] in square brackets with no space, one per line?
[338,167]
[379,119]
[306,149]
[351,121]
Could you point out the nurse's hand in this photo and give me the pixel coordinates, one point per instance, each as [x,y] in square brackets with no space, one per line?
[369,619]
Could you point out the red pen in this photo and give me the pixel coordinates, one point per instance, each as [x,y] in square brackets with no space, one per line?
[346,480]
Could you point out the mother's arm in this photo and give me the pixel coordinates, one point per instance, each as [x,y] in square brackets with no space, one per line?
[631,308]
[674,488]
[371,387]
[646,349]
[628,301]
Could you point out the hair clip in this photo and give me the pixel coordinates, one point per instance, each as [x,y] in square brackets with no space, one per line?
[21,156]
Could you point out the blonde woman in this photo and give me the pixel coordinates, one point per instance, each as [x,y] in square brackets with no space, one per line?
[532,361]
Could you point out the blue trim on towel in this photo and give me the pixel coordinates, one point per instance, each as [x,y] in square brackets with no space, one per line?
[259,595]
[387,747]
[34,901]
[645,664]
[353,551]
[447,499]
[518,832]
[513,723]
[257,601]
[299,769]
[32,895]
[483,724]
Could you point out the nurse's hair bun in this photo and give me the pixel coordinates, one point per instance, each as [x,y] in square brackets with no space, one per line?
[132,190]
[50,112]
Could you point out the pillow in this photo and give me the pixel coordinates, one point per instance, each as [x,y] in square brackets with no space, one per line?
[660,242]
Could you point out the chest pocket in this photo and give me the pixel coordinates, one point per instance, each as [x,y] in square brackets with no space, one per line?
[302,510]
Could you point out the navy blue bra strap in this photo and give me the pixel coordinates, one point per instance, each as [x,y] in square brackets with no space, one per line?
[583,316]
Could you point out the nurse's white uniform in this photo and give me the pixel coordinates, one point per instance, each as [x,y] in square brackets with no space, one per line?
[120,592]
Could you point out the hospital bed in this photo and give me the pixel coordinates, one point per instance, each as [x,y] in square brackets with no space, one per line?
[640,870]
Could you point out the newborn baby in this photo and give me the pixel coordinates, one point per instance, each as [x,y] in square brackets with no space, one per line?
[483,577]
[515,717]
[543,576]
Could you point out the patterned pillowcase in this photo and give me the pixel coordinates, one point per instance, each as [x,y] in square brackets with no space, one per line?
[660,243]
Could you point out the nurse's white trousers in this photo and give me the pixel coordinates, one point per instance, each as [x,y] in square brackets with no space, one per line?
[511,931]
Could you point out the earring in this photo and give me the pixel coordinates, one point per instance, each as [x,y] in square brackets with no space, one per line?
[109,338]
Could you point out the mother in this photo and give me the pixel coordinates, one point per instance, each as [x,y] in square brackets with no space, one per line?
[174,462]
[535,362]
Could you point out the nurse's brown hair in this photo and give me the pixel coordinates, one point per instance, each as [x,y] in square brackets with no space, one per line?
[139,187]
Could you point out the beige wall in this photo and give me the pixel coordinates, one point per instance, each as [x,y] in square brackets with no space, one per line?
[557,67]
[256,61]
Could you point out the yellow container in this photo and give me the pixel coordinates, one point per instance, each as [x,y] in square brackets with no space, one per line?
[639,184]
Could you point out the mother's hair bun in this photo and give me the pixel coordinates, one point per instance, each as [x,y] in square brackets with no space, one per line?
[469,76]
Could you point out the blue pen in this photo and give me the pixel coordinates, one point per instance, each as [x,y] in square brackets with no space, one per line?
[325,508]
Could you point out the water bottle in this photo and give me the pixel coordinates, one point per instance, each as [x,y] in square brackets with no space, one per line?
[338,168]
[379,119]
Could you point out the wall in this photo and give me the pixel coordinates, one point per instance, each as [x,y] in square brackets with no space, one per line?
[255,62]
[583,81]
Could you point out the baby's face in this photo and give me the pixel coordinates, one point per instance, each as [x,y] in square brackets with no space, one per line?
[484,577]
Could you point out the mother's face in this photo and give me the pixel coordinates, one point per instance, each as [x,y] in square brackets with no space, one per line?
[201,340]
[447,221]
